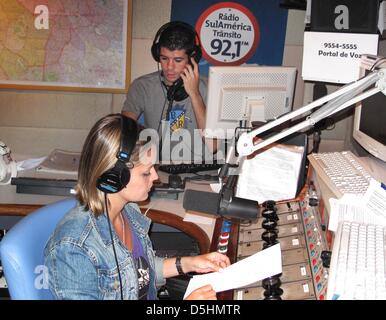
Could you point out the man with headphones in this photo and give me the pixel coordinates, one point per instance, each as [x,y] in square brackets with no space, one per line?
[172,98]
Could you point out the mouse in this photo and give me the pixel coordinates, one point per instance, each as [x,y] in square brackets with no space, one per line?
[175,181]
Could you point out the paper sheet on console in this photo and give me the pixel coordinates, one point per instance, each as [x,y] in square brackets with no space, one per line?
[271,175]
[259,266]
[369,208]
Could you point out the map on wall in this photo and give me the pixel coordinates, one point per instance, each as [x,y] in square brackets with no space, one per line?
[65,44]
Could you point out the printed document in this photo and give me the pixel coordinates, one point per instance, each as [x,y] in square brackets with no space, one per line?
[370,208]
[259,266]
[272,174]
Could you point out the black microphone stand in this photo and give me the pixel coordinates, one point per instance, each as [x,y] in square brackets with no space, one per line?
[229,206]
[226,194]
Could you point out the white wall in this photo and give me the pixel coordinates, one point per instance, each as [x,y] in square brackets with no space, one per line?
[35,122]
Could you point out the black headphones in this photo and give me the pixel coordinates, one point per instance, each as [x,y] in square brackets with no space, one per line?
[116,178]
[195,50]
[177,91]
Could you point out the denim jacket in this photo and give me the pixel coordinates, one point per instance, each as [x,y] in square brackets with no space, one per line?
[80,259]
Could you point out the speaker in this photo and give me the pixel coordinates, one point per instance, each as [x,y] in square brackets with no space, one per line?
[319,91]
[351,16]
[116,178]
[194,50]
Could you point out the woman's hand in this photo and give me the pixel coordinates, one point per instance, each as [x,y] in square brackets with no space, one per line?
[203,293]
[205,263]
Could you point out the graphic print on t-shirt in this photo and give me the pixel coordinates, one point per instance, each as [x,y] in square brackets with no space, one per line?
[143,277]
[177,118]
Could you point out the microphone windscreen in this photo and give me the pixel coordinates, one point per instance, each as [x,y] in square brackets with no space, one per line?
[242,209]
[201,201]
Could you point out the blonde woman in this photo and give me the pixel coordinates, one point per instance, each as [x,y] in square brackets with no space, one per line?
[101,248]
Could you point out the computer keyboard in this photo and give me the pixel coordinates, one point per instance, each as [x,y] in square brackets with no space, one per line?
[188,167]
[357,268]
[341,171]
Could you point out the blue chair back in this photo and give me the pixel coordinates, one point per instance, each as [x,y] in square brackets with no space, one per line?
[22,251]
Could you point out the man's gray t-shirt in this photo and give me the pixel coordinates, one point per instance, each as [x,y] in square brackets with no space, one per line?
[147,95]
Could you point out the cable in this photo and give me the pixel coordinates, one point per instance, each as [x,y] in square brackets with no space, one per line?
[147,210]
[112,242]
[162,114]
[165,95]
[376,64]
[160,120]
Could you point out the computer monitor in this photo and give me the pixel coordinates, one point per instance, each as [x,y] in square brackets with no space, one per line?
[369,128]
[246,93]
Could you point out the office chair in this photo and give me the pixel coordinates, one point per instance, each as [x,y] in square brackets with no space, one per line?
[21,251]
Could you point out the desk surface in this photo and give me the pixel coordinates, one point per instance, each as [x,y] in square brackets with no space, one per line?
[9,199]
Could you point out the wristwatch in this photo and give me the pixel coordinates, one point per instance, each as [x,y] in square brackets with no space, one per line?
[179,266]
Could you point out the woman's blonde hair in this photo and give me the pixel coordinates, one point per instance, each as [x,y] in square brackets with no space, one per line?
[99,155]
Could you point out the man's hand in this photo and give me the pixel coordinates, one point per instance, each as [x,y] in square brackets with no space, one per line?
[191,77]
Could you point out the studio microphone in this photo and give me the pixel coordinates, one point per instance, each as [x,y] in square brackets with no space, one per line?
[219,204]
[201,201]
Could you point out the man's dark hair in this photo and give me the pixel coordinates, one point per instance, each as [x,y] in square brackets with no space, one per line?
[178,37]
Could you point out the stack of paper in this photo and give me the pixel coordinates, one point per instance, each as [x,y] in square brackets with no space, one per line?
[272,174]
[370,209]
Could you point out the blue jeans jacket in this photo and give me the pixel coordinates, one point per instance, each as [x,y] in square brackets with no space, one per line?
[80,259]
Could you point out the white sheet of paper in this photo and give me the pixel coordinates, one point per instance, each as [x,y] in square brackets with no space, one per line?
[259,266]
[375,200]
[347,208]
[196,218]
[216,187]
[270,175]
[29,163]
[371,208]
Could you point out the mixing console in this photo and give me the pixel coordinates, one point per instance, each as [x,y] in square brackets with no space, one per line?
[297,226]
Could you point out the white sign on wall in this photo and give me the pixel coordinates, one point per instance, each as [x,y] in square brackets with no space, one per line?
[229,33]
[335,57]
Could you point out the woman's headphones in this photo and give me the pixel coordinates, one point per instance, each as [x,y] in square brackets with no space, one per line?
[193,51]
[116,178]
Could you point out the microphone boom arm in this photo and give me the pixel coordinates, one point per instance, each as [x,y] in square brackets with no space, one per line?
[337,101]
[228,206]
